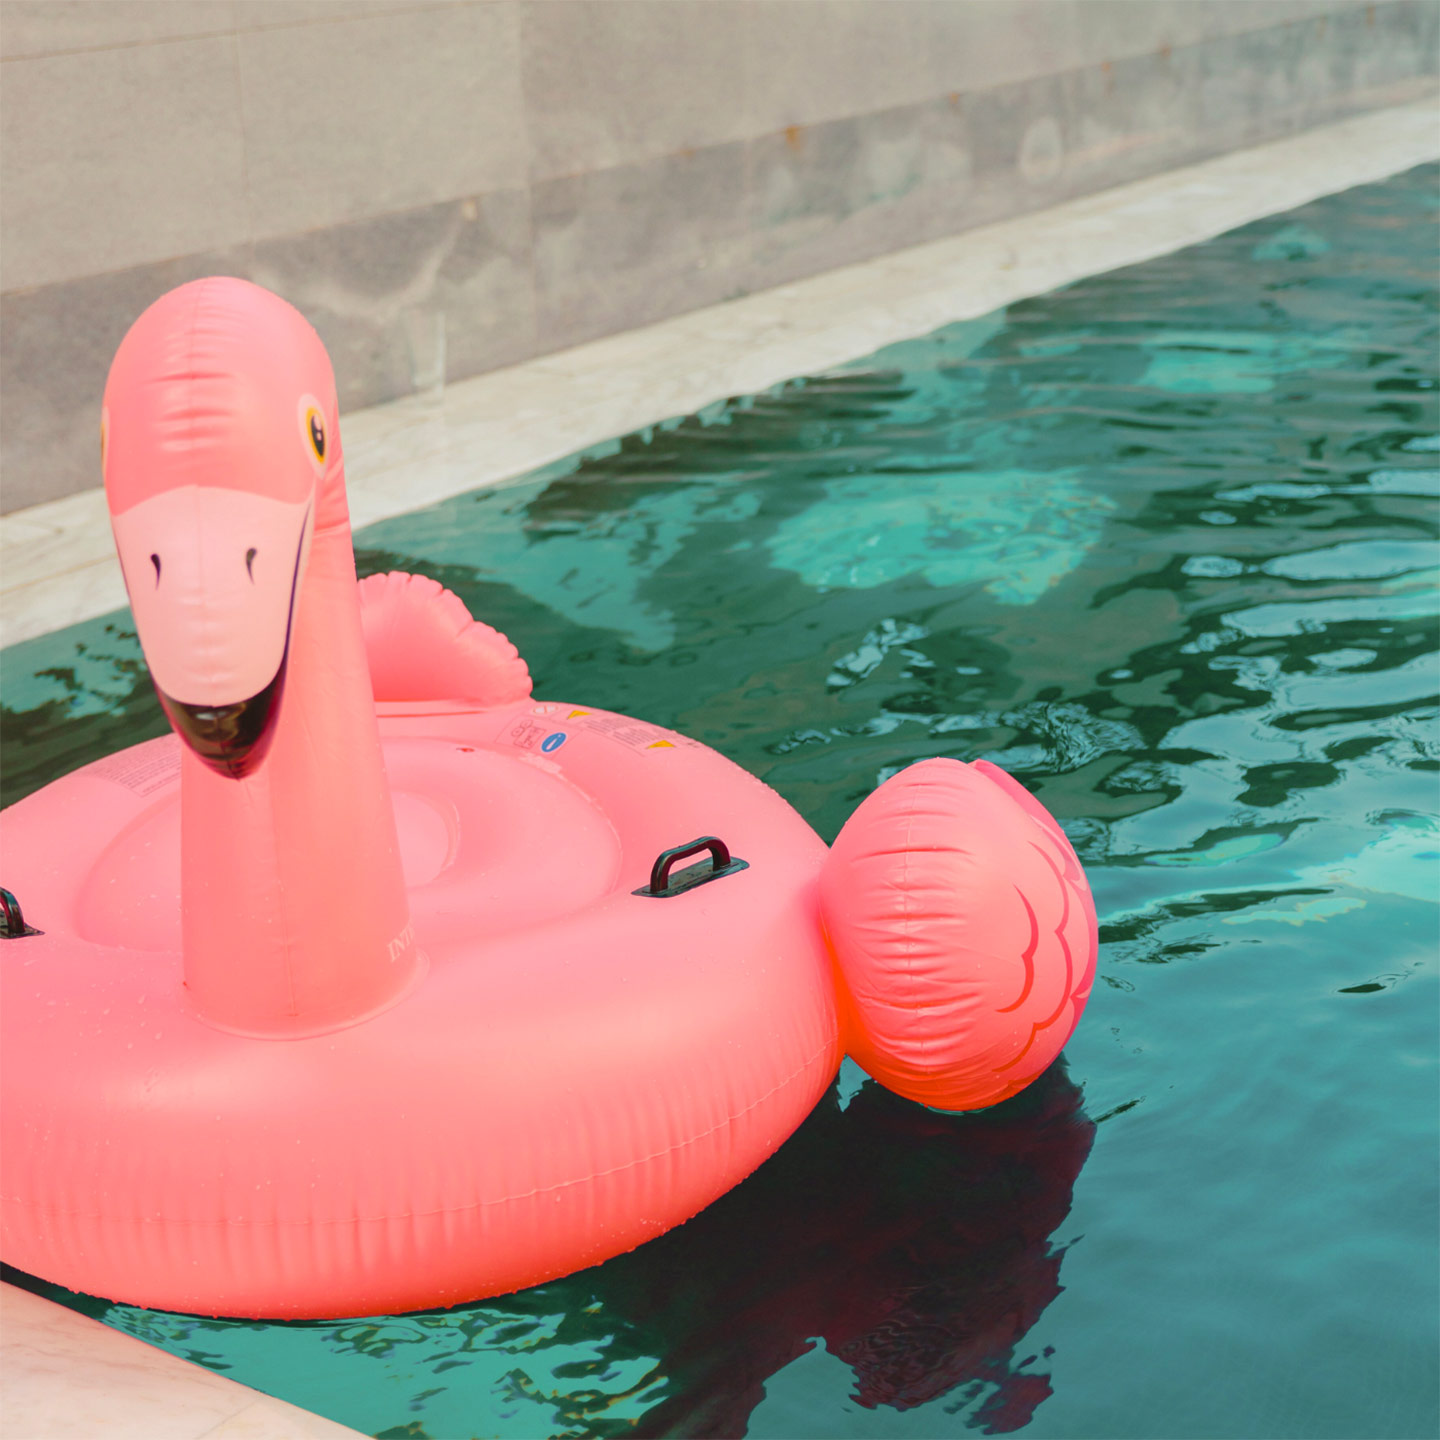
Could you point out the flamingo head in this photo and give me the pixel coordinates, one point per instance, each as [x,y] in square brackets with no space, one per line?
[221,453]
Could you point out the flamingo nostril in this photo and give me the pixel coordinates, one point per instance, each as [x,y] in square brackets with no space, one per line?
[250,564]
[155,561]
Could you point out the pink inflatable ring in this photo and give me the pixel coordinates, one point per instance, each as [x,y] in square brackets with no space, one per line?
[380,985]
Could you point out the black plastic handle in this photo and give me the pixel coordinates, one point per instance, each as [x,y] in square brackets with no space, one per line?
[722,862]
[660,870]
[12,922]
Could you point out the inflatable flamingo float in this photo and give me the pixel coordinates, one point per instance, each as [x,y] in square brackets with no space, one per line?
[380,985]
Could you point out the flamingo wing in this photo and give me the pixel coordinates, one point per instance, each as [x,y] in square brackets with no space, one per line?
[424,645]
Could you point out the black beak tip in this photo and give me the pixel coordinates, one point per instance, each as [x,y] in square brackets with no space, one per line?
[233,739]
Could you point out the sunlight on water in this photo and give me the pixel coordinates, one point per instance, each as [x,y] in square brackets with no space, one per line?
[1012,532]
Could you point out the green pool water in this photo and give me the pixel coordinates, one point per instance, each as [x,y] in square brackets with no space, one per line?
[1163,545]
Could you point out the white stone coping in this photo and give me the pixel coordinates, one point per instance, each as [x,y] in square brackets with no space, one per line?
[64,1376]
[57,561]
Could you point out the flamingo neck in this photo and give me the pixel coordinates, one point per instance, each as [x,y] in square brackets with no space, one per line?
[294,914]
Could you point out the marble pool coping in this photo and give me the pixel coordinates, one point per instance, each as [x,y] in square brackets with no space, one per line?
[57,560]
[64,1375]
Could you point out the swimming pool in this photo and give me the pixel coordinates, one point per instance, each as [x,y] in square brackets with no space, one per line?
[1162,544]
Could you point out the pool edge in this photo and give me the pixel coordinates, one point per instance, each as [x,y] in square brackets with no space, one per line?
[57,560]
[112,1384]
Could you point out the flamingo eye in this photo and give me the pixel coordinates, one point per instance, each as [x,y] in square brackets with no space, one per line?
[155,561]
[315,433]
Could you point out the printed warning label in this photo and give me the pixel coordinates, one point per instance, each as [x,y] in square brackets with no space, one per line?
[527,734]
[144,768]
[637,734]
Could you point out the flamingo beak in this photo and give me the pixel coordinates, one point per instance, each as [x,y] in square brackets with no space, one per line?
[214,575]
[231,739]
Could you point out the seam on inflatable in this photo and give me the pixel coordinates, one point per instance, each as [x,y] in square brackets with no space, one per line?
[56,1213]
[190,361]
[1066,997]
[282,891]
[918,1010]
[874,997]
[1028,955]
[1021,1053]
[1064,945]
[1092,935]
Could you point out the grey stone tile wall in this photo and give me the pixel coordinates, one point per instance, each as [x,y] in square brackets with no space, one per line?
[534,173]
[376,114]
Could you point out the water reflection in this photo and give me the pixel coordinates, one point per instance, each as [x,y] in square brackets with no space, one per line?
[916,1246]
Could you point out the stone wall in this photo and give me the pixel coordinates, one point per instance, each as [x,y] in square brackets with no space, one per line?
[541,172]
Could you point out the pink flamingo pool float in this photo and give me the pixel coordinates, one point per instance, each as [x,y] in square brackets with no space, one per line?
[380,985]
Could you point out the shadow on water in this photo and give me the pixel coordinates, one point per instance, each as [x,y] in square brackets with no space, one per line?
[914,1245]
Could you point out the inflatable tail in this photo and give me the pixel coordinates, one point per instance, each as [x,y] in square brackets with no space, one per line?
[423,645]
[964,931]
